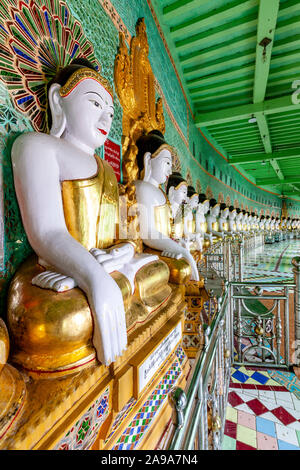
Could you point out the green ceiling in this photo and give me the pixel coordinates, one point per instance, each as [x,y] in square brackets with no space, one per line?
[237,60]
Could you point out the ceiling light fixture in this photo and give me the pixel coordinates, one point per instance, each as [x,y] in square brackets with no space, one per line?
[252,119]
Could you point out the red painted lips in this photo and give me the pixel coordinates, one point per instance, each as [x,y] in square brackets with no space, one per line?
[102,131]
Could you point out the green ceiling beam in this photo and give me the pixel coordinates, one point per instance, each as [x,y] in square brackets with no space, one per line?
[260,157]
[180,7]
[233,60]
[264,131]
[248,79]
[267,18]
[277,169]
[215,34]
[277,181]
[211,18]
[219,49]
[222,76]
[236,113]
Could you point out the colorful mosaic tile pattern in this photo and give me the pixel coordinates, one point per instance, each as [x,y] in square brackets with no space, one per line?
[84,433]
[140,425]
[261,413]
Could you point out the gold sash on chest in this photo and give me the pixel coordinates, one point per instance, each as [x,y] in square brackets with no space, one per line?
[91,207]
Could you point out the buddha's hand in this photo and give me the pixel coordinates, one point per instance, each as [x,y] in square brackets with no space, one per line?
[185,243]
[169,254]
[109,334]
[54,281]
[114,258]
[199,241]
[195,275]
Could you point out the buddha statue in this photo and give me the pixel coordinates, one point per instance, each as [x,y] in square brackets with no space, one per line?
[253,222]
[244,221]
[232,221]
[249,221]
[277,224]
[154,160]
[190,232]
[177,195]
[223,219]
[283,223]
[239,220]
[268,223]
[272,224]
[201,224]
[73,302]
[212,221]
[262,222]
[289,224]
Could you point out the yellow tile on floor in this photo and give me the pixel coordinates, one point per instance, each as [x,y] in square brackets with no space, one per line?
[273,383]
[246,435]
[253,382]
[231,414]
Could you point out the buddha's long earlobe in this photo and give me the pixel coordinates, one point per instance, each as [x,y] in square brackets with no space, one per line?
[171,194]
[147,166]
[57,112]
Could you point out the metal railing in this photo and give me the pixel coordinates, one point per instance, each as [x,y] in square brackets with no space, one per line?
[200,418]
[261,332]
[242,316]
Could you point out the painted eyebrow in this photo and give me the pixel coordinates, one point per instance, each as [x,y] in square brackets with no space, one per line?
[94,94]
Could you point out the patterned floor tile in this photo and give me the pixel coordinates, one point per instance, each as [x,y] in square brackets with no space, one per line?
[228,443]
[243,446]
[266,442]
[282,445]
[283,415]
[246,435]
[247,420]
[265,417]
[257,406]
[231,414]
[265,426]
[234,399]
[230,429]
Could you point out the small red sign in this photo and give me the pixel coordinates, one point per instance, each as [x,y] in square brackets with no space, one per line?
[112,154]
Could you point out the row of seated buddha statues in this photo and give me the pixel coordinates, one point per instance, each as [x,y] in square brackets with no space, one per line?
[87,298]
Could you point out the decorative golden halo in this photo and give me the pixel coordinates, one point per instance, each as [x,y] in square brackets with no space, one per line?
[162,147]
[182,183]
[79,76]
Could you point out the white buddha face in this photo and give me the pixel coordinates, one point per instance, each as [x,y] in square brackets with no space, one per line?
[161,166]
[204,207]
[225,213]
[193,201]
[215,211]
[89,112]
[232,215]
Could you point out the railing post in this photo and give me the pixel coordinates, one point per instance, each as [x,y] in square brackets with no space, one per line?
[241,258]
[296,271]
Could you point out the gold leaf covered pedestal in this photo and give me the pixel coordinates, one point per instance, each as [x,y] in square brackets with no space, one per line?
[12,389]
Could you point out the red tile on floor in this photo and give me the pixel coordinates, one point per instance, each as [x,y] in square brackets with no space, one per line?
[242,446]
[234,399]
[256,406]
[234,385]
[249,386]
[264,387]
[279,388]
[283,416]
[230,429]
